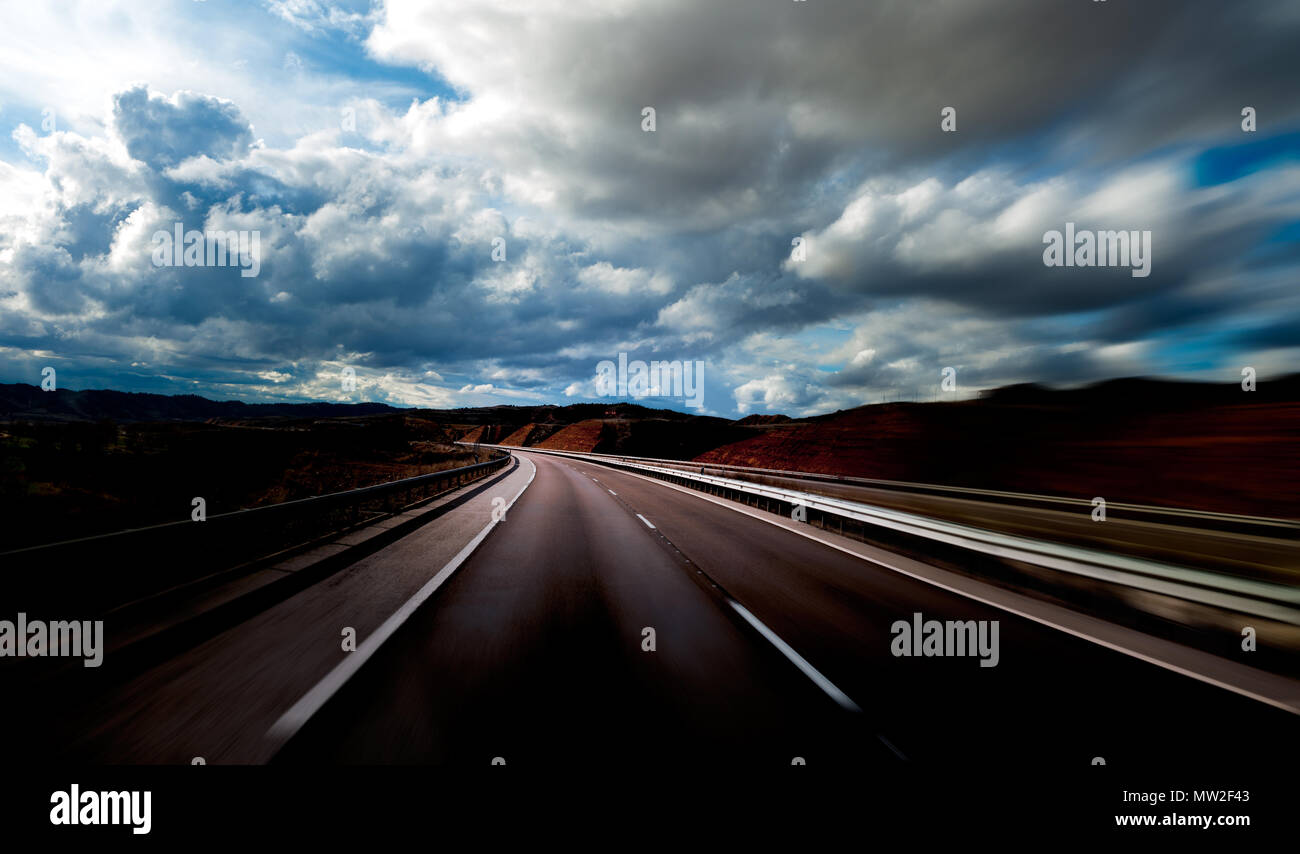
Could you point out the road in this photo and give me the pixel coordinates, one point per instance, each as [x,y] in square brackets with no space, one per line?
[1181,538]
[216,700]
[768,646]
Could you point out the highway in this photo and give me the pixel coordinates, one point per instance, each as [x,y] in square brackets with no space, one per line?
[769,645]
[1248,546]
[561,611]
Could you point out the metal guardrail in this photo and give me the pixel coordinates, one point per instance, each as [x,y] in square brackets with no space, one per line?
[106,570]
[1248,596]
[1266,526]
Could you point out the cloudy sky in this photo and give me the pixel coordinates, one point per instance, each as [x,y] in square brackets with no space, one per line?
[383,150]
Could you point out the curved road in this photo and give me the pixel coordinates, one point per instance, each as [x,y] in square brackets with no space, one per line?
[768,646]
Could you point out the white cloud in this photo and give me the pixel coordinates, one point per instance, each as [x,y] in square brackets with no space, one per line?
[924,249]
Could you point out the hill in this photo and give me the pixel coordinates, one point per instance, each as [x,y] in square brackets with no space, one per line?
[23,402]
[1199,445]
[1194,445]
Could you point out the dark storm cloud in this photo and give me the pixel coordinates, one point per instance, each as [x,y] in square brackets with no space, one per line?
[164,131]
[817,120]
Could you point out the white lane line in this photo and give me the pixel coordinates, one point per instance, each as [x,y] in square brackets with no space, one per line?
[805,667]
[1044,613]
[795,658]
[596,480]
[311,702]
[890,745]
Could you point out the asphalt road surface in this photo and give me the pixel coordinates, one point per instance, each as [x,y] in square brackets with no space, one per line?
[767,646]
[1269,553]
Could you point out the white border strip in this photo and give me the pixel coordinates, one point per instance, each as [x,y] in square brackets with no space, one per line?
[1248,596]
[1289,702]
[848,480]
[795,658]
[300,712]
[805,667]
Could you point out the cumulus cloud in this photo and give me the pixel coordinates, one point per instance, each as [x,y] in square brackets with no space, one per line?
[492,237]
[755,101]
[162,131]
[775,393]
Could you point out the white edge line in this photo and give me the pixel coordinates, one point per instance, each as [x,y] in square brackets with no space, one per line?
[827,686]
[795,658]
[1079,633]
[310,703]
[877,483]
[1131,572]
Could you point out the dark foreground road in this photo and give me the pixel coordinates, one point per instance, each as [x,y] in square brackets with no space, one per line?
[533,652]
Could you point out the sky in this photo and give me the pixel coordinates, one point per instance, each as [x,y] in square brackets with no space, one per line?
[463,203]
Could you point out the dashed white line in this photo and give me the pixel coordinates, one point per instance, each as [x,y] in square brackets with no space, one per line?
[795,658]
[827,686]
[311,702]
[1030,609]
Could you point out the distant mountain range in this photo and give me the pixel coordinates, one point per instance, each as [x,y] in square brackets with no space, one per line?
[21,401]
[1209,446]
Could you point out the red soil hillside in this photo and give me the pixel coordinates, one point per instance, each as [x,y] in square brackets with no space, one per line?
[519,438]
[855,443]
[1226,458]
[475,435]
[757,420]
[583,436]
